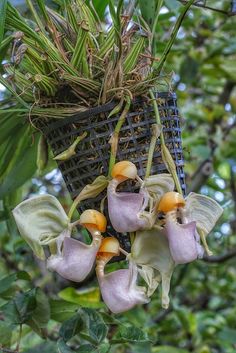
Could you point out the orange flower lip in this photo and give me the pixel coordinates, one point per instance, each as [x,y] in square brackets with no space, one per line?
[170,201]
[109,248]
[124,170]
[93,220]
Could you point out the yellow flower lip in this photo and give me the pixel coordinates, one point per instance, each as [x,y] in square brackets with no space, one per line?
[109,248]
[170,201]
[124,170]
[92,219]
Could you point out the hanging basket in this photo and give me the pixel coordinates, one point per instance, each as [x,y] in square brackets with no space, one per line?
[93,152]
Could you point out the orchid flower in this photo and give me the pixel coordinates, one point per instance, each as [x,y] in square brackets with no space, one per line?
[127,209]
[197,212]
[119,289]
[75,260]
[150,250]
[42,221]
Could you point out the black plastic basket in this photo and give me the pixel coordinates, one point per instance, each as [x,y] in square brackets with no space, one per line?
[93,152]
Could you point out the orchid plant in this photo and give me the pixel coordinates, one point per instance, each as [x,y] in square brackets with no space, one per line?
[167,230]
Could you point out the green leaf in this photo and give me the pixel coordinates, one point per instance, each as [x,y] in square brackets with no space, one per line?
[189,69]
[20,309]
[224,170]
[3,9]
[173,5]
[62,310]
[96,327]
[63,348]
[5,334]
[100,7]
[148,11]
[14,148]
[228,335]
[41,313]
[40,221]
[87,348]
[5,83]
[173,37]
[89,191]
[23,169]
[129,334]
[168,349]
[6,282]
[71,327]
[89,297]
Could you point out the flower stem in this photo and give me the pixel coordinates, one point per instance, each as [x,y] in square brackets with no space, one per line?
[204,242]
[115,137]
[166,156]
[156,130]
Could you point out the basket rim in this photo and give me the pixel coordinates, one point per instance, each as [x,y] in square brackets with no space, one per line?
[97,110]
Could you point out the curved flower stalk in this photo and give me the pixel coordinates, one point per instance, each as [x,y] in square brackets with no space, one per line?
[150,250]
[74,260]
[119,289]
[41,220]
[183,237]
[127,209]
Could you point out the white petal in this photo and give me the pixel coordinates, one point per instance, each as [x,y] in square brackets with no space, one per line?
[203,210]
[40,220]
[151,276]
[151,248]
[158,185]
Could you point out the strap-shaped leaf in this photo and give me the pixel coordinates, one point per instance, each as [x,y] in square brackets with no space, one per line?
[203,210]
[89,191]
[40,220]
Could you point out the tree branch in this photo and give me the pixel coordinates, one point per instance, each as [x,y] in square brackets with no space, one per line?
[205,169]
[201,175]
[221,258]
[208,8]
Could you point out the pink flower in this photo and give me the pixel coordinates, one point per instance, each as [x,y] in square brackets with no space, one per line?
[75,260]
[119,289]
[126,208]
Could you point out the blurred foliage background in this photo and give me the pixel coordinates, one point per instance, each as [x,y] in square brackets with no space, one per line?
[201,318]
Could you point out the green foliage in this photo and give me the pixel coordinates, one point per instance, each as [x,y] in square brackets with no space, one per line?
[61,317]
[130,335]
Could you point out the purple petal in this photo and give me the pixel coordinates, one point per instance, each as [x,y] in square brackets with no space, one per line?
[119,289]
[124,208]
[76,260]
[182,242]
